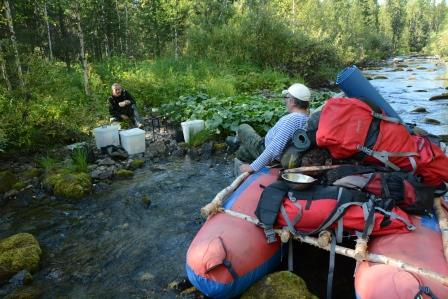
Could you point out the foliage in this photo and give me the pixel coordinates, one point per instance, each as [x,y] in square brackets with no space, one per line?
[259,37]
[225,114]
[79,160]
[439,42]
[201,137]
[48,163]
[160,50]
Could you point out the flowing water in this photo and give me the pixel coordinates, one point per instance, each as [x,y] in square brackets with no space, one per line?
[116,244]
[130,240]
[411,85]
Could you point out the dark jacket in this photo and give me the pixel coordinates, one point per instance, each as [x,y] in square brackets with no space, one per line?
[115,110]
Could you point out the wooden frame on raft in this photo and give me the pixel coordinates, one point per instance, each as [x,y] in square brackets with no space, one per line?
[441,214]
[359,253]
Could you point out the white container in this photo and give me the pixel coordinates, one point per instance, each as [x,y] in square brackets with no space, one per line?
[106,135]
[133,141]
[191,128]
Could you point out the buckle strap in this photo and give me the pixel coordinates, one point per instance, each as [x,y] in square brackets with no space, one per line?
[331,267]
[270,234]
[409,225]
[288,221]
[425,290]
[380,156]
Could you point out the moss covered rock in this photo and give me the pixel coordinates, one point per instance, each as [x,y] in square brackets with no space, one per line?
[135,164]
[26,293]
[69,185]
[7,181]
[19,185]
[219,147]
[18,252]
[124,173]
[32,173]
[279,285]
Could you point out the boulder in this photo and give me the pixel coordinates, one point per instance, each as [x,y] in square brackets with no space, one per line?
[219,147]
[32,173]
[21,278]
[431,121]
[206,150]
[18,252]
[123,173]
[69,185]
[420,110]
[279,285]
[26,293]
[105,162]
[443,96]
[7,181]
[156,149]
[380,77]
[135,164]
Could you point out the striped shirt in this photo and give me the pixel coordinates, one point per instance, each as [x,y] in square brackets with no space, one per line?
[278,138]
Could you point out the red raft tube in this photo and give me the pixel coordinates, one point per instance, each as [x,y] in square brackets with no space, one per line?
[229,254]
[422,248]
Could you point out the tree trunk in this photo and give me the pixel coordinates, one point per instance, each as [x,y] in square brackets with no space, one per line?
[83,54]
[106,37]
[176,44]
[126,28]
[120,41]
[64,36]
[3,67]
[50,48]
[14,44]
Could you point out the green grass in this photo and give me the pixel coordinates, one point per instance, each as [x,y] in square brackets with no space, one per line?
[57,111]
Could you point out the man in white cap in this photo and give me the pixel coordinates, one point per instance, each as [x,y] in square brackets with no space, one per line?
[264,151]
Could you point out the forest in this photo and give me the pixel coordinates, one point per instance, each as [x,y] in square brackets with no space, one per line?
[59,58]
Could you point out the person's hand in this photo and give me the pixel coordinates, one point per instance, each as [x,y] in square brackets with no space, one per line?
[246,168]
[124,116]
[122,104]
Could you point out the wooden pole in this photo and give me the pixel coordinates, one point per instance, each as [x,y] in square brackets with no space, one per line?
[443,224]
[212,207]
[348,252]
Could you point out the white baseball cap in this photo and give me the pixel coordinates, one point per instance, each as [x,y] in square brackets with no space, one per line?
[298,91]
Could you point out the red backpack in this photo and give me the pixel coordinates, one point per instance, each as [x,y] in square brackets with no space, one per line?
[350,128]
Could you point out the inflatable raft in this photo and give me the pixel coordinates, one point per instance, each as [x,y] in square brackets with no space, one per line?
[229,254]
[422,248]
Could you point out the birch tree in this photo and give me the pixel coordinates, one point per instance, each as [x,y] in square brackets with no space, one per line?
[82,45]
[14,44]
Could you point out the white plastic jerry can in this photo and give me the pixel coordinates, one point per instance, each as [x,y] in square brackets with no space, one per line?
[106,135]
[133,141]
[191,128]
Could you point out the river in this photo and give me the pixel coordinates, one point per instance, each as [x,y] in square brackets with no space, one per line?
[130,240]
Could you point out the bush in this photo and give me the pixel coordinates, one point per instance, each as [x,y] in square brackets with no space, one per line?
[225,114]
[260,38]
